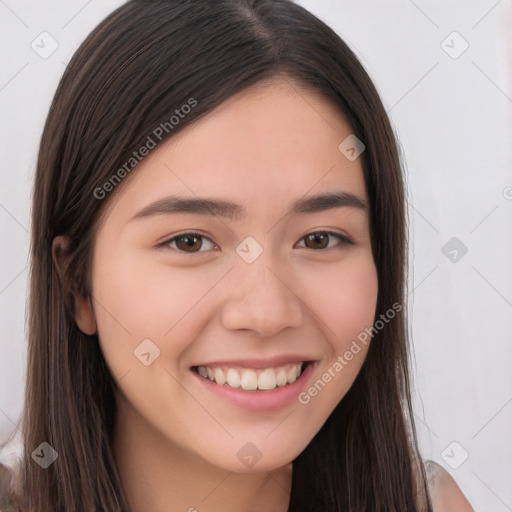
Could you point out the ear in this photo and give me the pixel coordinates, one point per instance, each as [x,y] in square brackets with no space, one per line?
[82,306]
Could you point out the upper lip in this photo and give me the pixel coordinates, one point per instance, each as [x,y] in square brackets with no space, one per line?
[259,363]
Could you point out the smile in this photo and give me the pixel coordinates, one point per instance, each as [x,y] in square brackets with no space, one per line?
[253,379]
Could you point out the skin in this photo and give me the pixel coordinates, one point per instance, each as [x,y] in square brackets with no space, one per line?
[176,443]
[446,495]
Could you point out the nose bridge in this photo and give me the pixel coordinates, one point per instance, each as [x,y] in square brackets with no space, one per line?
[260,298]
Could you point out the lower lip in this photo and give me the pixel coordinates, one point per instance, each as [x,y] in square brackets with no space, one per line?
[261,400]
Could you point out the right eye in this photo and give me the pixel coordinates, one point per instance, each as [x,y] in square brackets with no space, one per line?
[186,243]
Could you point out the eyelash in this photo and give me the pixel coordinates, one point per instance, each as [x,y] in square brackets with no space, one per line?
[165,244]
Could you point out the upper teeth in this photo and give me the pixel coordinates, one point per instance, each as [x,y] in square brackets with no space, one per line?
[251,379]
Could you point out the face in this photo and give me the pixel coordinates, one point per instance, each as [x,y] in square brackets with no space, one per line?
[244,292]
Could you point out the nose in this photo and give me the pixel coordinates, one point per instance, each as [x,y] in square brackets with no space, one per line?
[261,299]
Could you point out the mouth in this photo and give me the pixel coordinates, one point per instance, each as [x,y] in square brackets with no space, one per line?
[253,379]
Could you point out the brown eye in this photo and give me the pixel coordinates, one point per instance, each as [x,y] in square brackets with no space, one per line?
[189,243]
[320,239]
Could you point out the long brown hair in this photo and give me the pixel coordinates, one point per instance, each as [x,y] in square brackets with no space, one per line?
[146,59]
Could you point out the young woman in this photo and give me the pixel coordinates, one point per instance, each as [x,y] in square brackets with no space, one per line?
[217,303]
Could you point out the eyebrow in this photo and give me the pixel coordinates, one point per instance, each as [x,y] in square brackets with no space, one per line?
[233,211]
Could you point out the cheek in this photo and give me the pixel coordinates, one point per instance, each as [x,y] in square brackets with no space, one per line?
[347,308]
[136,299]
[344,296]
[357,299]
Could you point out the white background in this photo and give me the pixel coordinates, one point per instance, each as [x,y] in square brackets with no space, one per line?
[452,118]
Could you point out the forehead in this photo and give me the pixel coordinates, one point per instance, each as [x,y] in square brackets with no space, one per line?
[264,147]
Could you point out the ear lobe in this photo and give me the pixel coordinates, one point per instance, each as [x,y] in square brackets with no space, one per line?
[82,306]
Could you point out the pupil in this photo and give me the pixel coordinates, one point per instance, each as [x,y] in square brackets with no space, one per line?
[190,241]
[317,238]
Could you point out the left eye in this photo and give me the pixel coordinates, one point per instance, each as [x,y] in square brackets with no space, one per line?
[187,243]
[319,237]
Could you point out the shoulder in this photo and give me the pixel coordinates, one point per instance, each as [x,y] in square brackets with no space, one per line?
[6,483]
[444,491]
[10,459]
